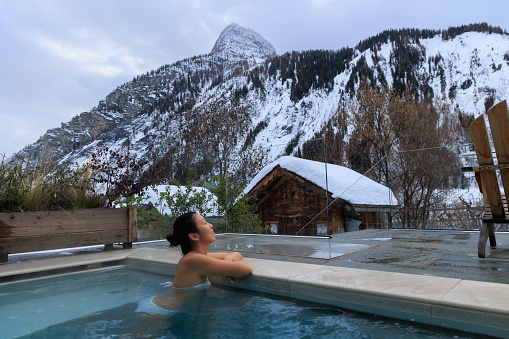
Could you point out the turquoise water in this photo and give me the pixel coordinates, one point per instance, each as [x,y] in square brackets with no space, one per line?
[102,303]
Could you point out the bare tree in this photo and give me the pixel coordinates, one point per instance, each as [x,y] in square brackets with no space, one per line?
[424,166]
[405,139]
[379,117]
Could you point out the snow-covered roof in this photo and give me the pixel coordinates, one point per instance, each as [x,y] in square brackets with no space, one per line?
[152,194]
[342,182]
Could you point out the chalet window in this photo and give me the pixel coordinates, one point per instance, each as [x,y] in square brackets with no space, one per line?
[321,229]
[273,228]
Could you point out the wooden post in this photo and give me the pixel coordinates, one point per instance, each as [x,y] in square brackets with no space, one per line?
[132,228]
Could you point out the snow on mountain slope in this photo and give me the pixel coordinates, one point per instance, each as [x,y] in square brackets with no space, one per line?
[236,41]
[465,70]
[477,57]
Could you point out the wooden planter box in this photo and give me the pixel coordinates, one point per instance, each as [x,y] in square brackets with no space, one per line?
[44,230]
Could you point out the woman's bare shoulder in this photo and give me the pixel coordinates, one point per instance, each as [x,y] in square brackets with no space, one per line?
[194,258]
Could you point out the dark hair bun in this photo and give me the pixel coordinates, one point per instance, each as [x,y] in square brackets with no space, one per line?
[174,241]
[182,226]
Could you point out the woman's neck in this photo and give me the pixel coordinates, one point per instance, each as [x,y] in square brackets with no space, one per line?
[200,249]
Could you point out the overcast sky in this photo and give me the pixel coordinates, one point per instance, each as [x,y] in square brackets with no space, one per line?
[58,58]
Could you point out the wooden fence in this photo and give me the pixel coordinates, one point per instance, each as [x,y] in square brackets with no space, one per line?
[44,230]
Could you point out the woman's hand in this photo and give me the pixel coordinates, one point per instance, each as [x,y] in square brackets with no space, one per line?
[235,256]
[219,264]
[230,257]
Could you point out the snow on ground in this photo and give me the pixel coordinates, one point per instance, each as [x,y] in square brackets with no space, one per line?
[469,195]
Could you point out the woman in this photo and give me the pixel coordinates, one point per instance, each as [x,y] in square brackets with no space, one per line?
[194,235]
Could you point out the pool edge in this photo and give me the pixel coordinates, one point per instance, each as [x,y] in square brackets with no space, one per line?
[472,306]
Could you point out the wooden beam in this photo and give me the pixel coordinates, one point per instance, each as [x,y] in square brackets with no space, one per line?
[266,179]
[297,215]
[280,182]
[262,200]
[274,188]
[484,168]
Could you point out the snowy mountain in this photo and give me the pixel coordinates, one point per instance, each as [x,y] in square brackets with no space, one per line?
[287,98]
[239,42]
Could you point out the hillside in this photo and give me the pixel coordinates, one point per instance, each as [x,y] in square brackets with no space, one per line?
[285,99]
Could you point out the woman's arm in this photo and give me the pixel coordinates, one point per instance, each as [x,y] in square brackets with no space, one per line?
[208,265]
[230,256]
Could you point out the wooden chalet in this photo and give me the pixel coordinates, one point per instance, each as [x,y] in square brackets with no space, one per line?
[293,195]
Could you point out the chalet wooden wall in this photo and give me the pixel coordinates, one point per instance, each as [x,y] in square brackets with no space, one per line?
[370,220]
[289,202]
[294,203]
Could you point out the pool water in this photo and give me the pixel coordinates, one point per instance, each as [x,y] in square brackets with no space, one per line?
[102,303]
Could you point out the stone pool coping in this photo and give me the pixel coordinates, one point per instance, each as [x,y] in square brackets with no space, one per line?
[473,306]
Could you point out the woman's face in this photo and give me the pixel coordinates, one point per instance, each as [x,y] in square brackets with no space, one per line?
[204,229]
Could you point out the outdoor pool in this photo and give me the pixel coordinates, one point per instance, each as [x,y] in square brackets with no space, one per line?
[101,303]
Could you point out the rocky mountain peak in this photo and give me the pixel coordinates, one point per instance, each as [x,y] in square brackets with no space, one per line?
[238,41]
